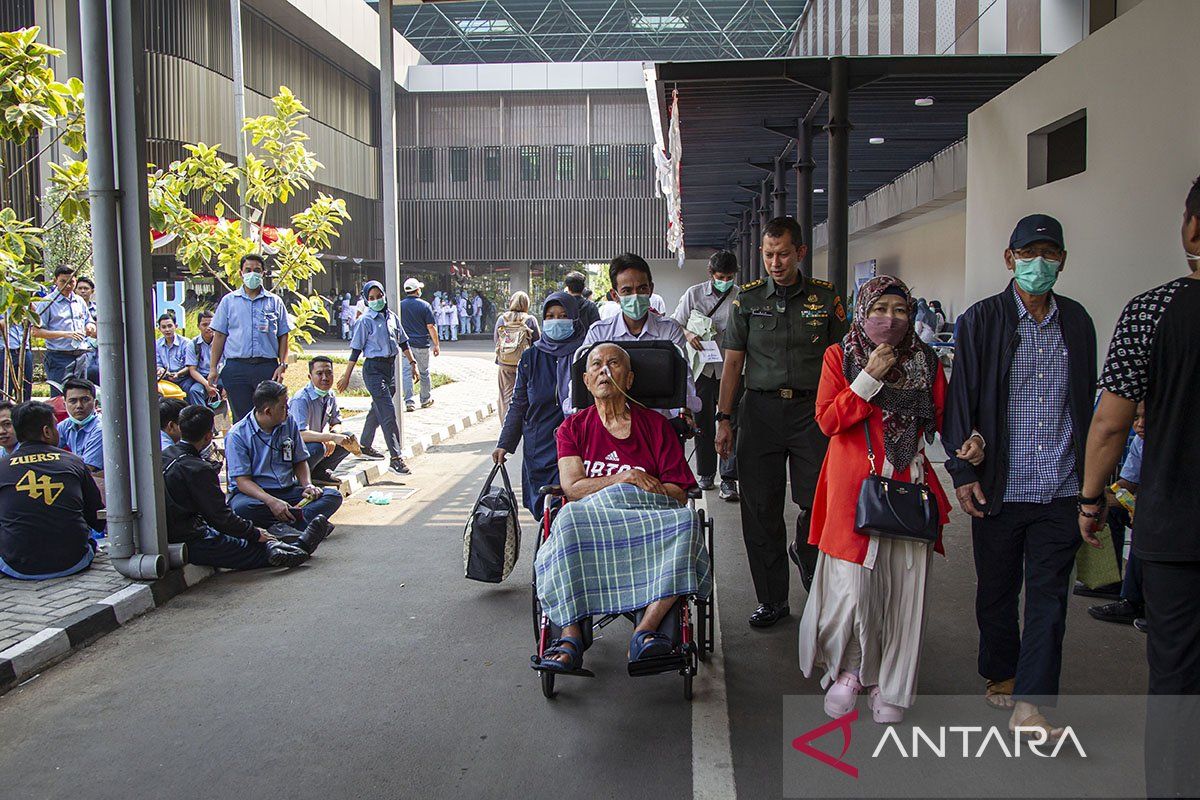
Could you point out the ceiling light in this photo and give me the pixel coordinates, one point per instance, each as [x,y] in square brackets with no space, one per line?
[818,191]
[658,22]
[876,140]
[923,102]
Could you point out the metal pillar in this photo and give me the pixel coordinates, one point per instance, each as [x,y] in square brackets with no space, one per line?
[744,251]
[804,189]
[102,190]
[239,106]
[387,179]
[764,202]
[129,94]
[752,258]
[839,172]
[779,196]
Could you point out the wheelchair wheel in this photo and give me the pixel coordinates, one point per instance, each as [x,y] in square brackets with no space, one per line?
[548,684]
[687,685]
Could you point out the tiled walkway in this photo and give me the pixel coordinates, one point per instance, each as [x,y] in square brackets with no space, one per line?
[27,607]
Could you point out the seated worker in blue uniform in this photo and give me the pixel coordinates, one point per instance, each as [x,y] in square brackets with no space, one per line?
[8,436]
[199,362]
[171,354]
[315,411]
[267,465]
[197,514]
[169,409]
[80,432]
[49,503]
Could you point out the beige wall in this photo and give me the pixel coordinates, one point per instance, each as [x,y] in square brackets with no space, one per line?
[927,253]
[671,282]
[1136,78]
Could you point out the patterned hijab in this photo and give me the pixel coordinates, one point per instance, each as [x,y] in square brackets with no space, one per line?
[907,394]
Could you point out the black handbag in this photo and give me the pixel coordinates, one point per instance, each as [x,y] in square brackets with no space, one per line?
[492,536]
[895,509]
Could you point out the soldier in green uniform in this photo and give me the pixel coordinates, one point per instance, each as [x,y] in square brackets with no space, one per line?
[778,330]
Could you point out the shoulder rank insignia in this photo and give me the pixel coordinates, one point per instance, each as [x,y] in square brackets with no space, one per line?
[821,283]
[753,284]
[839,310]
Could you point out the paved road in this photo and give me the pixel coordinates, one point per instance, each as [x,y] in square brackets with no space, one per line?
[377,671]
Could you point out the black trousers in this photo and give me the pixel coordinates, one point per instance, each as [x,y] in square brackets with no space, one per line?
[320,464]
[1036,543]
[1172,592]
[227,552]
[709,390]
[777,438]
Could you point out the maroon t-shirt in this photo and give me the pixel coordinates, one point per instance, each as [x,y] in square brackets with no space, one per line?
[652,446]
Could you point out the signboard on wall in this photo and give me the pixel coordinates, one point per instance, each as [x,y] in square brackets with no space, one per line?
[863,272]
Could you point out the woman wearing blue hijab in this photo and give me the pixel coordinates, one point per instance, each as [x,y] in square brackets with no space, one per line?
[542,386]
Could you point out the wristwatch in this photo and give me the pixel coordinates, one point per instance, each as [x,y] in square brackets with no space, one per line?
[721,416]
[1089,501]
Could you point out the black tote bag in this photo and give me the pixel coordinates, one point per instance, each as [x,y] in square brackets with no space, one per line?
[492,538]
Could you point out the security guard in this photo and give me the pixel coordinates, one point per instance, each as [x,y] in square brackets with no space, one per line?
[778,331]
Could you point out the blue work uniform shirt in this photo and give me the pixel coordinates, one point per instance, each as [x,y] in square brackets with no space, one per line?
[311,412]
[172,357]
[15,336]
[199,355]
[379,334]
[165,441]
[415,314]
[269,459]
[61,313]
[85,441]
[252,326]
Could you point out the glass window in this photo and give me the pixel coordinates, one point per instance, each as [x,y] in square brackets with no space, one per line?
[425,165]
[636,156]
[491,164]
[564,162]
[531,164]
[601,165]
[459,164]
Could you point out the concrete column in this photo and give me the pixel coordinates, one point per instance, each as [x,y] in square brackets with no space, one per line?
[519,279]
[839,172]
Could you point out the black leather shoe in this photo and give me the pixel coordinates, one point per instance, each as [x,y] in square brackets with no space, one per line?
[806,563]
[372,453]
[314,534]
[705,482]
[325,478]
[1111,591]
[282,554]
[768,614]
[1122,612]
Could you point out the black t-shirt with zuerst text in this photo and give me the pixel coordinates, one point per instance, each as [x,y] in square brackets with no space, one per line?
[48,504]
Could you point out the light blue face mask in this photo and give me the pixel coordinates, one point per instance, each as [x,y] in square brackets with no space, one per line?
[322,392]
[377,305]
[722,286]
[558,329]
[252,280]
[635,306]
[79,423]
[1036,275]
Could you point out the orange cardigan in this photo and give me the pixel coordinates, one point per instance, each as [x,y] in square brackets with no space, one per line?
[840,414]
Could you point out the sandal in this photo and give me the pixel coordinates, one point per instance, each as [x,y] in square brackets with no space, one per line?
[649,644]
[1038,720]
[997,692]
[566,646]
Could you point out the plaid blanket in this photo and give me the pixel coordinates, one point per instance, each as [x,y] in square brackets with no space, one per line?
[619,550]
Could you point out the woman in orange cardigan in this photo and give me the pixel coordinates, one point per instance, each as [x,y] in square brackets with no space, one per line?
[865,615]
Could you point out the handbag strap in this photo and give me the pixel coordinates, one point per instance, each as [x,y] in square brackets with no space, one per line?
[870,449]
[713,310]
[499,467]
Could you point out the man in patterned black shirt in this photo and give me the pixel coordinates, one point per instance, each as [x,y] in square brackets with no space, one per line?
[1024,381]
[1155,357]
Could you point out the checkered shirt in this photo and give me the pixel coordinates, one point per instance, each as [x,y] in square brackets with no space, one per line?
[1041,457]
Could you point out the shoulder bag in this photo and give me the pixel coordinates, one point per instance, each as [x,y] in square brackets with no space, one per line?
[895,509]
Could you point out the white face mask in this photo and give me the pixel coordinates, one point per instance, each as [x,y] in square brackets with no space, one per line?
[1191,256]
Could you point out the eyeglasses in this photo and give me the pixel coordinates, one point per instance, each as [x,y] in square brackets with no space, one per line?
[1049,252]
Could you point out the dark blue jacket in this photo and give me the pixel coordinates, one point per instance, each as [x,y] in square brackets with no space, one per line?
[977,400]
[534,414]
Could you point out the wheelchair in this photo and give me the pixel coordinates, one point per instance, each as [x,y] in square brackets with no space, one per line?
[660,382]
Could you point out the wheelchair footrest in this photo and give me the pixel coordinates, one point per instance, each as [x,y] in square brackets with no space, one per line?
[574,673]
[657,665]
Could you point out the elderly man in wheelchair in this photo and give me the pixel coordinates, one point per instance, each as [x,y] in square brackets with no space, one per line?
[626,543]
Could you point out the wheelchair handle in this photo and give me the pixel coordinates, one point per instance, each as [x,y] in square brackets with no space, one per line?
[550,491]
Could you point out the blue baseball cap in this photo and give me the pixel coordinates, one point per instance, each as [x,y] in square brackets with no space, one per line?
[1036,228]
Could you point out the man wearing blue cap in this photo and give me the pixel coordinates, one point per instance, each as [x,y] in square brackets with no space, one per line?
[1022,391]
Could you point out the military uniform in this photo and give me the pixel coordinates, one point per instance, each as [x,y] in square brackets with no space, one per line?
[784,331]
